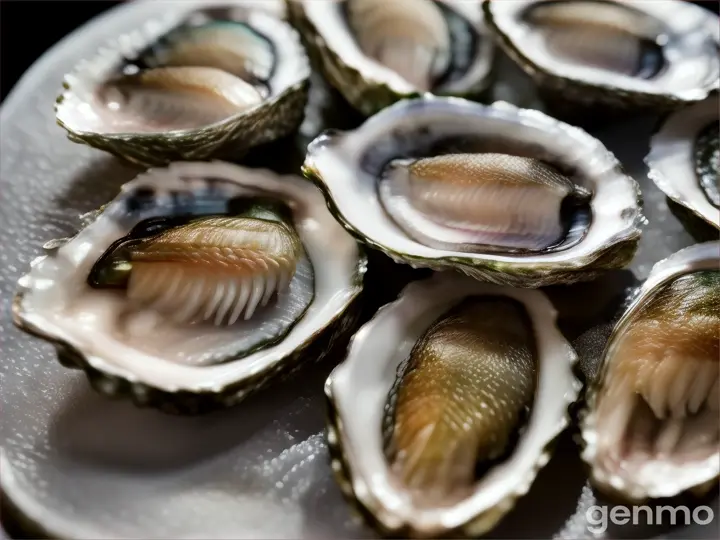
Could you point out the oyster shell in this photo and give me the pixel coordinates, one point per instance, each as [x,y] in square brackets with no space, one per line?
[460,408]
[376,52]
[205,84]
[652,54]
[684,159]
[506,195]
[651,428]
[196,285]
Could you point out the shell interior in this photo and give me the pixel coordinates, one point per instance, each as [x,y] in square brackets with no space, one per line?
[428,176]
[460,402]
[134,338]
[410,45]
[659,48]
[390,478]
[683,158]
[185,73]
[653,423]
[247,273]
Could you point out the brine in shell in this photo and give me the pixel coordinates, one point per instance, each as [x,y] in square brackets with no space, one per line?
[208,83]
[684,159]
[377,52]
[463,386]
[650,428]
[196,285]
[626,55]
[503,194]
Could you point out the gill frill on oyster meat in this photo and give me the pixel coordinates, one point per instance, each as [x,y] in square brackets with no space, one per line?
[657,54]
[464,385]
[376,52]
[651,426]
[684,158]
[197,285]
[503,194]
[200,84]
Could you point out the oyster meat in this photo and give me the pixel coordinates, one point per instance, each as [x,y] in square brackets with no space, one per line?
[684,159]
[196,285]
[376,52]
[504,194]
[651,425]
[464,384]
[208,83]
[626,54]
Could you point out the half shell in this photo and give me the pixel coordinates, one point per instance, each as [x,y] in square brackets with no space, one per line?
[376,52]
[196,285]
[205,84]
[457,379]
[503,194]
[656,54]
[684,159]
[651,428]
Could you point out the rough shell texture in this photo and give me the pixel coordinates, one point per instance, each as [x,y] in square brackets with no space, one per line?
[279,115]
[155,382]
[703,256]
[368,92]
[688,21]
[332,163]
[376,351]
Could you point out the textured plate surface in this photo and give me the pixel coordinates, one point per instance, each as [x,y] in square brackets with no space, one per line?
[76,465]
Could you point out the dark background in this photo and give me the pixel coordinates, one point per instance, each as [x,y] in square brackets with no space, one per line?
[29,27]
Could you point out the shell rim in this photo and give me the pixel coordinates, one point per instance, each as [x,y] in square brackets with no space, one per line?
[532,274]
[370,505]
[373,77]
[20,320]
[165,24]
[662,273]
[537,72]
[656,175]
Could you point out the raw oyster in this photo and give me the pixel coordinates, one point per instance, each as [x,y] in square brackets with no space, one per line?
[196,285]
[376,52]
[504,194]
[651,425]
[460,406]
[657,54]
[684,159]
[209,83]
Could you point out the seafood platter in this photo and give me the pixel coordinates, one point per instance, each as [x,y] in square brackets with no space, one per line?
[363,268]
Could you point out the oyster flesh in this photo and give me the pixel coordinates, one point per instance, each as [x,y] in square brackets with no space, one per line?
[464,386]
[504,194]
[209,83]
[376,52]
[651,425]
[196,285]
[684,159]
[657,54]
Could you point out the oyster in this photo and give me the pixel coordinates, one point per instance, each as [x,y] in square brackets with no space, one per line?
[684,159]
[651,425]
[196,285]
[376,52]
[208,83]
[464,385]
[503,194]
[652,54]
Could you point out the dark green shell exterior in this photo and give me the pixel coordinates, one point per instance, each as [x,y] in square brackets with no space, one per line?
[229,139]
[368,97]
